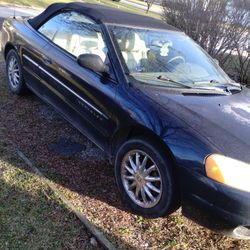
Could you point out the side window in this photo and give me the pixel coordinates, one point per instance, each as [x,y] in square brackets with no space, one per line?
[76,34]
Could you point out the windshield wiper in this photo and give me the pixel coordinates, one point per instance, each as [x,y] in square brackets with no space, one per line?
[218,84]
[231,87]
[217,89]
[214,81]
[163,78]
[228,87]
[208,88]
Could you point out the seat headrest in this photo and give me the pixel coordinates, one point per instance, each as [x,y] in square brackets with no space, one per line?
[131,42]
[89,44]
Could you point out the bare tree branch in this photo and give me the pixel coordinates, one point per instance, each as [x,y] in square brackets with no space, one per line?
[221,27]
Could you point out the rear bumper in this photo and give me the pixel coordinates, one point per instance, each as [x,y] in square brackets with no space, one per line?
[218,205]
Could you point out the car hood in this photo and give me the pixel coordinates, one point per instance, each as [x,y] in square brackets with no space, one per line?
[224,120]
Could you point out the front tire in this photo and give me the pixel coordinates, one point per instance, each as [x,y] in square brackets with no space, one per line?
[14,74]
[145,178]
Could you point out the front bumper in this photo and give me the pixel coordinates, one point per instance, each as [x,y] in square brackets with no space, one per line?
[220,206]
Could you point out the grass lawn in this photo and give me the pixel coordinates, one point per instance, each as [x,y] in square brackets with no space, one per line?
[45,3]
[155,7]
[31,216]
[33,3]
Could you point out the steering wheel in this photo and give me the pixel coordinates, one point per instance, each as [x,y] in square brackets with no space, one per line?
[177,58]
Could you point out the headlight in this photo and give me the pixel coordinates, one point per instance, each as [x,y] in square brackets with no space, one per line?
[228,171]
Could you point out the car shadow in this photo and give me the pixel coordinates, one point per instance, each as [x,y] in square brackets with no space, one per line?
[85,177]
[62,154]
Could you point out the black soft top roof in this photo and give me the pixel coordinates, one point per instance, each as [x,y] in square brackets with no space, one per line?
[101,14]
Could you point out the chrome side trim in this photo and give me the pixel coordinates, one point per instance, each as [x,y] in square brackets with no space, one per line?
[30,60]
[66,87]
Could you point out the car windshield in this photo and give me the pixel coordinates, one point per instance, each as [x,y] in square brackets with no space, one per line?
[166,58]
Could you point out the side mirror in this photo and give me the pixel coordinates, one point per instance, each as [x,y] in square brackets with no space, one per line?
[92,62]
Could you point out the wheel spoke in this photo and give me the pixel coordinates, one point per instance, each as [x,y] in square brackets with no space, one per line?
[15,81]
[132,164]
[143,195]
[149,170]
[152,179]
[11,64]
[132,185]
[137,160]
[131,177]
[152,187]
[130,170]
[137,191]
[144,162]
[151,197]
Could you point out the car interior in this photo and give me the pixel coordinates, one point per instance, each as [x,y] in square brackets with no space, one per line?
[133,49]
[77,43]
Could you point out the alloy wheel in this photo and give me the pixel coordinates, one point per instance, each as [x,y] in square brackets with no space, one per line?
[14,72]
[141,179]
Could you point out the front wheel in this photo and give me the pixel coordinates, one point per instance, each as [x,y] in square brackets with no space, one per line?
[145,178]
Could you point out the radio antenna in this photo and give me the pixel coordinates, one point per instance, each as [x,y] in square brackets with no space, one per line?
[14,11]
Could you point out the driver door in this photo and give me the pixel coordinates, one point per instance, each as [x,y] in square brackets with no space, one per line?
[88,97]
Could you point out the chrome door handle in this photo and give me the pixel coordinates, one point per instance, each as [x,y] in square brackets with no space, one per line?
[47,61]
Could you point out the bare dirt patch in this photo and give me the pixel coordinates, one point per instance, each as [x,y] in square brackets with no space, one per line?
[31,215]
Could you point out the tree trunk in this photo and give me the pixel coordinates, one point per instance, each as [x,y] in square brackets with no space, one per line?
[149,4]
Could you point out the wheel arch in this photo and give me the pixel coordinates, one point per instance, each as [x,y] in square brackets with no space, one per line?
[147,134]
[9,46]
[139,131]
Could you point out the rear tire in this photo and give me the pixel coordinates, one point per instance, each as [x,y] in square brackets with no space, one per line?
[14,74]
[145,178]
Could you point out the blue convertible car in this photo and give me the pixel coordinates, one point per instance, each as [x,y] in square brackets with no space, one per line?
[175,126]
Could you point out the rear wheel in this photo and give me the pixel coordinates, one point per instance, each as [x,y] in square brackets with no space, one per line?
[15,74]
[145,178]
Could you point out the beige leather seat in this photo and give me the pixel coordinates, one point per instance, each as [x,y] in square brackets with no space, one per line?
[133,50]
[62,39]
[74,45]
[87,45]
[100,48]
